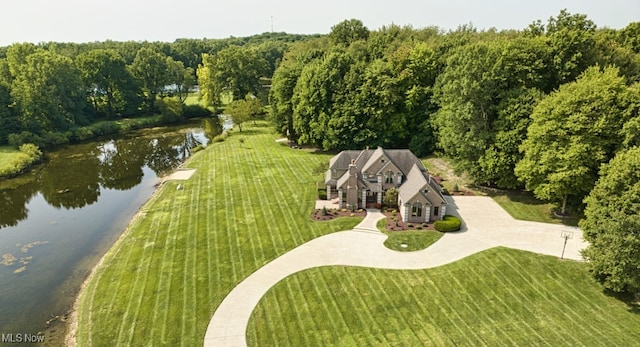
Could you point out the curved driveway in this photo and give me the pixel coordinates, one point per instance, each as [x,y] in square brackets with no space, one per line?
[485,225]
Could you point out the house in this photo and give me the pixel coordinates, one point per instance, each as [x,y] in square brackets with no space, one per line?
[361,178]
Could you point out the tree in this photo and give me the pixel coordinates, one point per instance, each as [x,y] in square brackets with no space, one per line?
[48,93]
[244,110]
[150,68]
[283,84]
[108,82]
[348,31]
[8,119]
[210,88]
[181,79]
[611,224]
[234,69]
[390,198]
[573,132]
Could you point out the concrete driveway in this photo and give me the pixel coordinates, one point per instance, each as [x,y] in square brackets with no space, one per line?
[485,225]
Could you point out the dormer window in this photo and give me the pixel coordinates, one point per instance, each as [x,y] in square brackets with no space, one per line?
[381,161]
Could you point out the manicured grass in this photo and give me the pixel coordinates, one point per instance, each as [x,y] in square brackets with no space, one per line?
[497,297]
[525,206]
[246,205]
[414,240]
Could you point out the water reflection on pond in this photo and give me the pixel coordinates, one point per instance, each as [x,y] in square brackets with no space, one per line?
[56,221]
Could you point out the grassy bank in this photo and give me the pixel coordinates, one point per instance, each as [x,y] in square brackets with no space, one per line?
[160,284]
[15,161]
[498,297]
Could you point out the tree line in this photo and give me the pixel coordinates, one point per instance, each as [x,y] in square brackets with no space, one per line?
[50,91]
[541,109]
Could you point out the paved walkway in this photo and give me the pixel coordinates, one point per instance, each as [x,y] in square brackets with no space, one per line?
[485,225]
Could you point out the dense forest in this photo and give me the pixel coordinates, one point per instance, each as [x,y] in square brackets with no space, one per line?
[51,92]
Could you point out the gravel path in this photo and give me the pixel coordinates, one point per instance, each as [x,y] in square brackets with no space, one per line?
[485,225]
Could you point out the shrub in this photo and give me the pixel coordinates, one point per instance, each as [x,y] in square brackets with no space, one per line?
[324,211]
[456,188]
[220,138]
[322,194]
[24,137]
[425,225]
[104,128]
[448,223]
[410,225]
[195,111]
[83,133]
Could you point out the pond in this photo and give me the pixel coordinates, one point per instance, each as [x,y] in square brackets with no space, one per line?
[58,221]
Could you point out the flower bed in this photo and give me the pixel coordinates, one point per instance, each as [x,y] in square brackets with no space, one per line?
[332,213]
[395,222]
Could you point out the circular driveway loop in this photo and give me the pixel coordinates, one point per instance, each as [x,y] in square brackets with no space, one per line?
[485,225]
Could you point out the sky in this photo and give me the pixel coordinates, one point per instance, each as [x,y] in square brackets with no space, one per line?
[164,20]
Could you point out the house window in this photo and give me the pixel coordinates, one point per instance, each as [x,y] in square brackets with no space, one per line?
[416,210]
[388,177]
[399,179]
[436,211]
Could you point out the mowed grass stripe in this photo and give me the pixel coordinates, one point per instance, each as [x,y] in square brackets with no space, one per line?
[163,282]
[537,291]
[569,315]
[165,307]
[513,294]
[138,290]
[508,310]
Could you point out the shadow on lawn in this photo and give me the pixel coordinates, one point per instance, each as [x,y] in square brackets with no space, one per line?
[632,301]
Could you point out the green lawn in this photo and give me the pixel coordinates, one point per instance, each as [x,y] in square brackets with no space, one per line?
[497,297]
[412,240]
[525,206]
[246,205]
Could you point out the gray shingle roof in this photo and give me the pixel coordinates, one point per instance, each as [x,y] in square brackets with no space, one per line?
[415,183]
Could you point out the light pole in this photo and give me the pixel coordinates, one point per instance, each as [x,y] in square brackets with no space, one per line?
[566,235]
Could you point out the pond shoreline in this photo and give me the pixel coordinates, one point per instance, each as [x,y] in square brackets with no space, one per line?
[53,314]
[71,324]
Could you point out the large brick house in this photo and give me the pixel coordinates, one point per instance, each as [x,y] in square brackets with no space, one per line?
[361,178]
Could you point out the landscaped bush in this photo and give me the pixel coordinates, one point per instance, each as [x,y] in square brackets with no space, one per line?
[322,194]
[448,223]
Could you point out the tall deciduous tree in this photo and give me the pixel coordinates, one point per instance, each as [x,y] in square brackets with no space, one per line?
[348,31]
[8,119]
[234,69]
[108,82]
[150,68]
[48,93]
[574,131]
[612,224]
